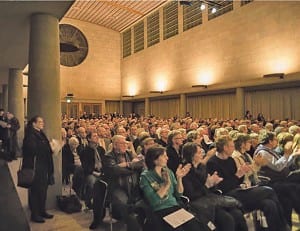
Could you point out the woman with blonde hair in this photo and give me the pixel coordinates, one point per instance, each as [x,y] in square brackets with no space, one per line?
[296,148]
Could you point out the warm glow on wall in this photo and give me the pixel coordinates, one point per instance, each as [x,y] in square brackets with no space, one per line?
[205,77]
[161,84]
[281,64]
[132,89]
[283,60]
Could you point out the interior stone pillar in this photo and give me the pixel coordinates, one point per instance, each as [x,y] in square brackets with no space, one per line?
[147,106]
[180,19]
[182,105]
[240,102]
[5,97]
[15,100]
[205,14]
[236,4]
[121,107]
[44,85]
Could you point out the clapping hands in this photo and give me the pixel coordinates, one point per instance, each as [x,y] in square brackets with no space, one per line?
[260,160]
[213,179]
[183,170]
[242,170]
[165,176]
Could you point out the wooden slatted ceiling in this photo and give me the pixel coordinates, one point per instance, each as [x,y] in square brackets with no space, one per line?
[113,14]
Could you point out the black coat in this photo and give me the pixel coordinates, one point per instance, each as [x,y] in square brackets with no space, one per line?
[67,160]
[174,158]
[37,154]
[194,183]
[15,126]
[3,130]
[87,159]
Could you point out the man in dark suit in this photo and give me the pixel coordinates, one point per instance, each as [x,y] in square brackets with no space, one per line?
[96,186]
[81,136]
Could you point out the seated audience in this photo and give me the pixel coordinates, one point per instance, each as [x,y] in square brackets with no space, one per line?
[71,164]
[161,189]
[283,180]
[283,138]
[175,141]
[123,170]
[260,197]
[81,136]
[197,186]
[92,163]
[163,137]
[242,144]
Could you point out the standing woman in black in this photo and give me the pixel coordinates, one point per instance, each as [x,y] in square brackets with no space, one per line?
[37,155]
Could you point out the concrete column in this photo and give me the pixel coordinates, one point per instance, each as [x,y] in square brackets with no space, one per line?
[240,102]
[5,97]
[182,105]
[44,85]
[15,100]
[161,24]
[180,19]
[147,106]
[145,33]
[121,108]
[1,100]
[205,14]
[236,4]
[132,40]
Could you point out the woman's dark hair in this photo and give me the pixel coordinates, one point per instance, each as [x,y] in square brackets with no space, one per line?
[153,154]
[189,150]
[29,125]
[33,120]
[240,139]
[192,135]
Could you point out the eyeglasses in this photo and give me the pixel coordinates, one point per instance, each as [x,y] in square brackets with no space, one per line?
[178,138]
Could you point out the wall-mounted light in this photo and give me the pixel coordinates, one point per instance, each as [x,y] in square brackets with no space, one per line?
[127,96]
[213,10]
[69,97]
[200,86]
[160,92]
[213,4]
[274,75]
[202,6]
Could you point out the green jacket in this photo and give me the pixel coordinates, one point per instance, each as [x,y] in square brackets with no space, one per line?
[150,182]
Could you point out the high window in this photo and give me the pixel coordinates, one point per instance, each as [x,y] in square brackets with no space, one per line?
[170,15]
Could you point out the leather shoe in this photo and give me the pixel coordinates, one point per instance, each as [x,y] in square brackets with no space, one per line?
[37,219]
[47,215]
[89,205]
[94,225]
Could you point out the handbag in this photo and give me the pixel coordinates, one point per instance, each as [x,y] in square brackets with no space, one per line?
[25,177]
[69,204]
[227,202]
